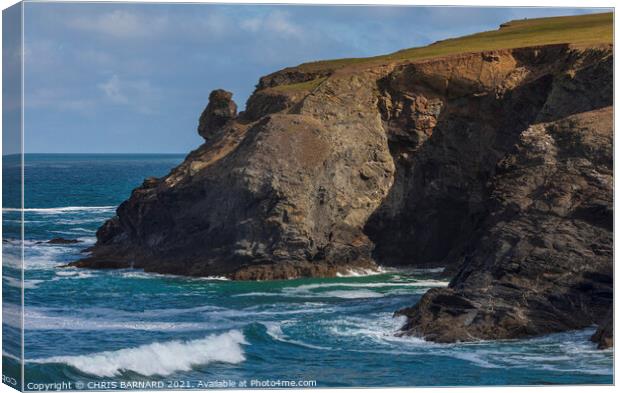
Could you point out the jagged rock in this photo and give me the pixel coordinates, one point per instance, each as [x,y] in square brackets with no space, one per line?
[280,197]
[62,240]
[220,110]
[604,335]
[497,165]
[541,259]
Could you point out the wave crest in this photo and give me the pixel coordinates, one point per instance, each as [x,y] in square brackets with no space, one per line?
[159,358]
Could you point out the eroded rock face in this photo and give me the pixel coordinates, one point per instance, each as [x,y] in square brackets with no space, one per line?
[497,165]
[283,196]
[539,257]
[449,122]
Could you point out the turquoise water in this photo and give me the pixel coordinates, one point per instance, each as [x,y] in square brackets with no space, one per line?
[85,326]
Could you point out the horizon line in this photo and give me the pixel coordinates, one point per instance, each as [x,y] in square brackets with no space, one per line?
[91,153]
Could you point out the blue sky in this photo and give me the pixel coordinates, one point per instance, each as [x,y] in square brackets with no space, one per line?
[117,78]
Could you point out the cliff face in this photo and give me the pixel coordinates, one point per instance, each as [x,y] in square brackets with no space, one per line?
[283,190]
[533,238]
[495,164]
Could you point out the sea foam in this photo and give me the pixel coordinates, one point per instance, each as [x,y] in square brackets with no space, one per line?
[38,318]
[274,330]
[17,283]
[361,272]
[159,358]
[56,210]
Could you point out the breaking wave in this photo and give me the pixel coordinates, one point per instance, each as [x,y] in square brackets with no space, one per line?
[159,358]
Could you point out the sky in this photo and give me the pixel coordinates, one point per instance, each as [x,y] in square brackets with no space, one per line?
[134,78]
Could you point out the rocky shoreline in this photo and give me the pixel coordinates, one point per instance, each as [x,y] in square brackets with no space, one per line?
[496,164]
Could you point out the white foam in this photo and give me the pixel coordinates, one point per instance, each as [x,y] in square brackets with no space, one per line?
[293,292]
[56,210]
[67,273]
[159,358]
[78,221]
[38,256]
[274,330]
[362,291]
[72,274]
[478,358]
[381,328]
[12,315]
[419,283]
[357,294]
[252,294]
[11,356]
[144,275]
[72,231]
[37,318]
[10,259]
[416,270]
[361,272]
[18,283]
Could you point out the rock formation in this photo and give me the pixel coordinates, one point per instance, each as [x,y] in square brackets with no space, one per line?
[221,110]
[283,195]
[536,256]
[604,335]
[62,240]
[496,164]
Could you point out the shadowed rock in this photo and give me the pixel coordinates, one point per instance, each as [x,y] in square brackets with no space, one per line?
[220,110]
[62,240]
[497,165]
[604,335]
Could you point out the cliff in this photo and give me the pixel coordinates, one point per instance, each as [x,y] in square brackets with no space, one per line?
[496,163]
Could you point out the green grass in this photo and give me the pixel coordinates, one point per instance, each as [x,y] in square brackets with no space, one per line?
[582,29]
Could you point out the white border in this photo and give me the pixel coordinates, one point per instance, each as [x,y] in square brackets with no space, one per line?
[457,3]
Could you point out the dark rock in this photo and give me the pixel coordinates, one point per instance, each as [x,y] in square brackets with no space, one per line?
[61,240]
[220,110]
[540,259]
[604,335]
[280,197]
[497,165]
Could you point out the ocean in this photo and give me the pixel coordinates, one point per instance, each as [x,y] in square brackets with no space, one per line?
[98,329]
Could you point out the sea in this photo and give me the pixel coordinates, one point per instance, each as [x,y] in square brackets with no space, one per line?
[94,330]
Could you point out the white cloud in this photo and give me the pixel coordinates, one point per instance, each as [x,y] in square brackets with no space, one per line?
[112,90]
[213,23]
[139,95]
[251,24]
[273,22]
[121,24]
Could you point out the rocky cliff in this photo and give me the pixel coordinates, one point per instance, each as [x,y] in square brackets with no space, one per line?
[282,190]
[532,247]
[496,164]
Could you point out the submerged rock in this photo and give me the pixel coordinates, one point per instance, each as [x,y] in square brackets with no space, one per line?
[62,240]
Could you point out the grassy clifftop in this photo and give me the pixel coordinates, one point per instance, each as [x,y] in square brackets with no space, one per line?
[580,30]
